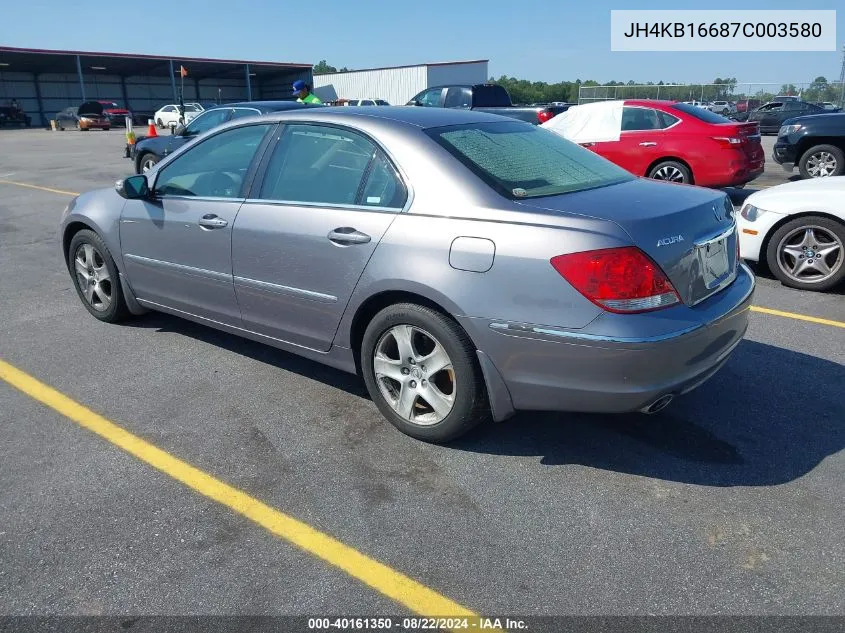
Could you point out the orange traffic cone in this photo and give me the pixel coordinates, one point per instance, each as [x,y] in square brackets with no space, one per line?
[152,130]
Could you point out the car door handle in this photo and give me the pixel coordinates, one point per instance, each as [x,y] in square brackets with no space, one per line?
[346,235]
[211,221]
[647,144]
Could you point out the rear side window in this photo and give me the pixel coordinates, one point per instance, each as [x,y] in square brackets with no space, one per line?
[492,96]
[666,119]
[520,160]
[700,113]
[331,166]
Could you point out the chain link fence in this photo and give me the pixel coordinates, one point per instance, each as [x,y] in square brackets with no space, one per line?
[813,92]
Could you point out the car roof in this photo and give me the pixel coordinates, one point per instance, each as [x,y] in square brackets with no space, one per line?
[407,115]
[264,106]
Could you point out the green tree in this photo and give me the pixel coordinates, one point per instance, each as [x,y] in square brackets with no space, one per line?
[322,68]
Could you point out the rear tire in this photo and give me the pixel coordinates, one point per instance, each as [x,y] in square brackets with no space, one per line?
[95,277]
[822,161]
[457,389]
[788,247]
[160,124]
[671,171]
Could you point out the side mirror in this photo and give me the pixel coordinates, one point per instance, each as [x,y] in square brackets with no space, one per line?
[133,187]
[413,102]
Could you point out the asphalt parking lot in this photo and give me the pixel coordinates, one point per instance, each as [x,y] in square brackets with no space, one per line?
[727,502]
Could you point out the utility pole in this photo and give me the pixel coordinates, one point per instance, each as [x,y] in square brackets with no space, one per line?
[842,80]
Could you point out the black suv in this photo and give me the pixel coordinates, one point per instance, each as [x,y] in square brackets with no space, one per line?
[772,115]
[815,143]
[147,151]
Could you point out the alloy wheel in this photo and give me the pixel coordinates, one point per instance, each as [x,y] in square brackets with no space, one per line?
[821,164]
[147,165]
[670,173]
[810,254]
[93,276]
[414,374]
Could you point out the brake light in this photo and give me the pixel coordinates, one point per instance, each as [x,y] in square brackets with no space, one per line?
[622,280]
[728,141]
[544,115]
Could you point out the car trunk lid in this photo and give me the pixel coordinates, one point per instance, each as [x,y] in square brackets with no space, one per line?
[688,231]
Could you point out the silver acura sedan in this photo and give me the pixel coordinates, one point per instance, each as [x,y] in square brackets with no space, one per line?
[466,265]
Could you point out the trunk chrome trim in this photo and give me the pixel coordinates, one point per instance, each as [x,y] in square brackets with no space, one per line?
[285,290]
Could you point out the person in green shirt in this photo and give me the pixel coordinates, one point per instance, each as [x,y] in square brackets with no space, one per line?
[303,92]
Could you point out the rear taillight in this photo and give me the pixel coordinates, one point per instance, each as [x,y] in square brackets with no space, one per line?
[544,115]
[729,141]
[622,280]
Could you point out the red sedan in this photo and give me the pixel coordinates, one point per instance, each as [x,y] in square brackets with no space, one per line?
[665,140]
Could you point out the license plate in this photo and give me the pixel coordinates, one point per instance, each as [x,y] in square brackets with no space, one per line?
[714,259]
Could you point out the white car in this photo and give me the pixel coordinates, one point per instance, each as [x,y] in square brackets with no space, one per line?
[798,230]
[720,107]
[168,116]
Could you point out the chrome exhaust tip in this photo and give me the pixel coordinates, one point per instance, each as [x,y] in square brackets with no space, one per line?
[658,405]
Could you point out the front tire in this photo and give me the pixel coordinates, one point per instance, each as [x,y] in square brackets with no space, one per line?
[420,370]
[822,161]
[160,124]
[95,277]
[671,171]
[147,162]
[808,253]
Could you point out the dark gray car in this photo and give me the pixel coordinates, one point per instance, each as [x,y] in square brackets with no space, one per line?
[465,264]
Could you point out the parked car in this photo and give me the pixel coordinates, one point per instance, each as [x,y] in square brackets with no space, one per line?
[169,116]
[418,247]
[491,98]
[147,151]
[798,230]
[14,116]
[815,143]
[667,140]
[115,114]
[88,116]
[772,115]
[720,107]
[828,106]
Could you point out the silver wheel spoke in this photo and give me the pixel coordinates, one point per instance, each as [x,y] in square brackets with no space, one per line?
[81,269]
[89,254]
[436,361]
[828,249]
[405,402]
[403,334]
[821,266]
[793,251]
[440,402]
[809,238]
[388,368]
[89,293]
[102,273]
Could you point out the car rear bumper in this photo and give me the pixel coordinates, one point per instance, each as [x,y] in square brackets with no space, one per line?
[546,368]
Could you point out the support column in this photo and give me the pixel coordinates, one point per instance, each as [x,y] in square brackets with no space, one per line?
[248,85]
[197,90]
[173,83]
[40,101]
[124,93]
[81,79]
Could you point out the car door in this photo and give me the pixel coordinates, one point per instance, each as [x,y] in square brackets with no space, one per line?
[301,241]
[640,141]
[177,244]
[770,115]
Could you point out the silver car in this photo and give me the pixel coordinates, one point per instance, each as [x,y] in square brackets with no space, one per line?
[466,265]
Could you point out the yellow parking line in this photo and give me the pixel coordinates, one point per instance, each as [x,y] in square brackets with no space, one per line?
[40,188]
[386,580]
[799,317]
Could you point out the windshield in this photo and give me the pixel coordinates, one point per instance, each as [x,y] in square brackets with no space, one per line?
[523,161]
[192,108]
[700,113]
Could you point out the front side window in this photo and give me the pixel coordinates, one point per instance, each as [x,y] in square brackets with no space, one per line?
[215,168]
[207,120]
[328,165]
[430,98]
[524,161]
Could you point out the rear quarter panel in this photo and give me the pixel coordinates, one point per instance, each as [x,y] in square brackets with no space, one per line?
[521,286]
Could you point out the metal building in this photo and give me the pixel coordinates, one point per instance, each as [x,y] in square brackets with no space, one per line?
[398,84]
[44,82]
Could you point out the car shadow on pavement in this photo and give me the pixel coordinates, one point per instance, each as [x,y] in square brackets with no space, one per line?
[251,349]
[768,417]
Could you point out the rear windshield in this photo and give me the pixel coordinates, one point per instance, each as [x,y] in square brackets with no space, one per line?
[700,113]
[490,97]
[520,160]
